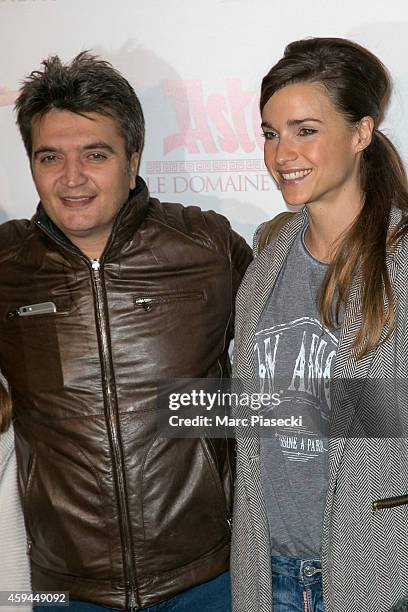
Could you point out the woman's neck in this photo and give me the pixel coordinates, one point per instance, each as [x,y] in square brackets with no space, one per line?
[327,224]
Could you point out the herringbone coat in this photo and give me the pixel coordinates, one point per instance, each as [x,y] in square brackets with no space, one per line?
[364,553]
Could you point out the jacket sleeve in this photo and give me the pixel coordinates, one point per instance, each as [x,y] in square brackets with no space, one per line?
[241,257]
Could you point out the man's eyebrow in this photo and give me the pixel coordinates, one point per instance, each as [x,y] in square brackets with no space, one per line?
[89,147]
[45,150]
[99,145]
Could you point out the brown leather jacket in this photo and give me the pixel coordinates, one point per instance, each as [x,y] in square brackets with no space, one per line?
[116,514]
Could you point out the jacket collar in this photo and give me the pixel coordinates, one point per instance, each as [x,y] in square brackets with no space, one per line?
[126,222]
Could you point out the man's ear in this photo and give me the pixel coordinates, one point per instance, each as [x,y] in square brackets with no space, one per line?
[364,133]
[133,169]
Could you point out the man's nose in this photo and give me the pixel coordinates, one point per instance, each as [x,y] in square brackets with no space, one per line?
[73,174]
[285,151]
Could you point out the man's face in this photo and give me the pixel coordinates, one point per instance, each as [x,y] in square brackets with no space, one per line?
[82,174]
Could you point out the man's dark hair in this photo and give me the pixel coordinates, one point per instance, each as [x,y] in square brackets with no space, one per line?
[87,84]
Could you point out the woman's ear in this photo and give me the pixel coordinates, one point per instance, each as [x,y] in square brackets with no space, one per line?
[364,133]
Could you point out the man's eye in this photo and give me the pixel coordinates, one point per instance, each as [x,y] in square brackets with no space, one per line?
[307,131]
[96,157]
[48,159]
[269,135]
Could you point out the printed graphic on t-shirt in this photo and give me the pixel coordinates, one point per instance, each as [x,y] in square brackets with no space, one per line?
[295,360]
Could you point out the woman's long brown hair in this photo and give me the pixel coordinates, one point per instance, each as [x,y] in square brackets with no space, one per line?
[359,86]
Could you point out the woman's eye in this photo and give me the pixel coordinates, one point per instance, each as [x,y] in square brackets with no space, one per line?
[307,131]
[269,135]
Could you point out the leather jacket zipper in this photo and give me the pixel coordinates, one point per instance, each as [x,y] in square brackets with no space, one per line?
[390,502]
[132,600]
[117,459]
[114,433]
[28,486]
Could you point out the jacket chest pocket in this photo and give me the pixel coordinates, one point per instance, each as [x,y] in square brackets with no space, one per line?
[32,332]
[177,332]
[149,301]
[38,310]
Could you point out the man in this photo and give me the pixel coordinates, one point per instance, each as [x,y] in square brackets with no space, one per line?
[105,293]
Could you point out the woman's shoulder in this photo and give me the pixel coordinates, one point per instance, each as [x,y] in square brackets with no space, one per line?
[286,223]
[269,230]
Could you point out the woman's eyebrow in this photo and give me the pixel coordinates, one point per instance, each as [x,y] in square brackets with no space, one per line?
[292,122]
[299,121]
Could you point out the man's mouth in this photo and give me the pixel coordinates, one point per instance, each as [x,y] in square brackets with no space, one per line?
[77,200]
[294,175]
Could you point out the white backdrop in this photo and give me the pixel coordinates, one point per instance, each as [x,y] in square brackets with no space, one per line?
[196,66]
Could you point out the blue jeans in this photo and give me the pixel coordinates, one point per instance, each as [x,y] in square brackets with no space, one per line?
[296,585]
[212,596]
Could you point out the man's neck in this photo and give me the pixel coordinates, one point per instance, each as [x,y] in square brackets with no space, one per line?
[92,247]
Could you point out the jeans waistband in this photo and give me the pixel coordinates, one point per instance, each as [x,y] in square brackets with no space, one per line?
[297,568]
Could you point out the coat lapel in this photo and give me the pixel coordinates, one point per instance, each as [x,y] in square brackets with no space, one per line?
[268,264]
[350,375]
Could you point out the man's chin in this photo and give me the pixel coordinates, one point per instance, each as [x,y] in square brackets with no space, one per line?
[80,231]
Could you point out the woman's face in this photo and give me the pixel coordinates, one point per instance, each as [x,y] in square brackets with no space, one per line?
[310,149]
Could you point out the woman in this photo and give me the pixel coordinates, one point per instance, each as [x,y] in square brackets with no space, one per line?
[322,321]
[14,566]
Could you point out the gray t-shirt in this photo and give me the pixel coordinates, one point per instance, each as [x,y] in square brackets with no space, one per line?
[295,357]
